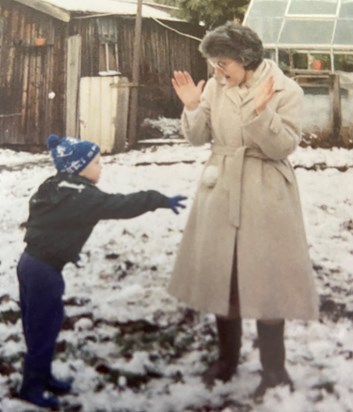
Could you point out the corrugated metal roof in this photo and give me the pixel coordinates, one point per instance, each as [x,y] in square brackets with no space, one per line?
[118,7]
[47,8]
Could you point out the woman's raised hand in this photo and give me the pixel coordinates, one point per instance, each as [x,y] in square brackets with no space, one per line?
[188,92]
[264,95]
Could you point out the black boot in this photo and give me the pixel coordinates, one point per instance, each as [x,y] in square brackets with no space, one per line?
[58,386]
[272,357]
[229,342]
[33,388]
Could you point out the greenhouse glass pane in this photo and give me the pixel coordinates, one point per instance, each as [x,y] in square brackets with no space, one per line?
[320,7]
[266,28]
[346,8]
[268,8]
[344,62]
[270,54]
[344,32]
[307,32]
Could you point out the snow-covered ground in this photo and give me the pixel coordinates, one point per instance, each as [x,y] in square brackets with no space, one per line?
[129,345]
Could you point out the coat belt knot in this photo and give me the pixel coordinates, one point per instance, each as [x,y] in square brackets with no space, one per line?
[238,155]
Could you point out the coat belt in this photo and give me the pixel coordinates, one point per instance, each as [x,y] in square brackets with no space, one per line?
[238,154]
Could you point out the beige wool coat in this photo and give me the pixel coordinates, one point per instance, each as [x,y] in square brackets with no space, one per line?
[247,201]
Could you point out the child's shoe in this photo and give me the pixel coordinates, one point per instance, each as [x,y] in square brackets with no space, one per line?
[38,398]
[58,386]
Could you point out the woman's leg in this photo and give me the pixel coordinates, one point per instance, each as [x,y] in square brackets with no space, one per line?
[229,337]
[272,356]
[229,343]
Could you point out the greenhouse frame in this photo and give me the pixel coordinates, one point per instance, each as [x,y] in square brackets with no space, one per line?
[305,34]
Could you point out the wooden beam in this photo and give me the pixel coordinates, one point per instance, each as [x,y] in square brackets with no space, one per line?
[47,8]
[336,113]
[133,110]
[73,70]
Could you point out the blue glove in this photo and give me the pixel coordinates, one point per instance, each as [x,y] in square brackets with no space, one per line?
[174,203]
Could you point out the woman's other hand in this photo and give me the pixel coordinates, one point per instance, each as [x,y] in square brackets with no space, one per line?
[188,92]
[264,95]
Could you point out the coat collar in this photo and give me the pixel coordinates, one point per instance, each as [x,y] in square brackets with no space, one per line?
[75,179]
[247,91]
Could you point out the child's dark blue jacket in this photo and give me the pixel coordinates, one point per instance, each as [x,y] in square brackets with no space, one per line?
[65,209]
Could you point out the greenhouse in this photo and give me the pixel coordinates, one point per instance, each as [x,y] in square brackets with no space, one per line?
[305,34]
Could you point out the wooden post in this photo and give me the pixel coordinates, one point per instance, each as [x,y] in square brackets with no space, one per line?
[336,114]
[73,85]
[133,110]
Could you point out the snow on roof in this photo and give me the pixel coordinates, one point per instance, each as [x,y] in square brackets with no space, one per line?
[118,7]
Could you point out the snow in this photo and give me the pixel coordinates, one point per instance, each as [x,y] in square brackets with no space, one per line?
[132,347]
[170,128]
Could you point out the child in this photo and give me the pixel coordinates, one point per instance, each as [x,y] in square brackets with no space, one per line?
[62,215]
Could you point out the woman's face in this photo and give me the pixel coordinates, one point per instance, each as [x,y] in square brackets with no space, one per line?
[234,73]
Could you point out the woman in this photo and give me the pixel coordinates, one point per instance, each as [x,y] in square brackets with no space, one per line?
[244,252]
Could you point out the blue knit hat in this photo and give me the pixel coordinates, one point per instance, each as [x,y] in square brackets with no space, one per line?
[71,155]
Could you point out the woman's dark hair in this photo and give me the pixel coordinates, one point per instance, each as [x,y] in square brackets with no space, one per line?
[236,42]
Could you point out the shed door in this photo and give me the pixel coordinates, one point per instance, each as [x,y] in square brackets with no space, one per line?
[11,131]
[24,109]
[104,105]
[36,84]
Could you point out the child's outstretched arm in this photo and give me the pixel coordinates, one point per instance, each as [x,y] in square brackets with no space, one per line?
[119,206]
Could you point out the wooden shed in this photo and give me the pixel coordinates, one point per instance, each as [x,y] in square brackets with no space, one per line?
[48,48]
[29,72]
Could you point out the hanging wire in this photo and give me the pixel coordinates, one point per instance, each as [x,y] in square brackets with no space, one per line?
[175,30]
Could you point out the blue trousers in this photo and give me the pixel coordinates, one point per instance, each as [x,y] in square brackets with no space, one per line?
[42,312]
